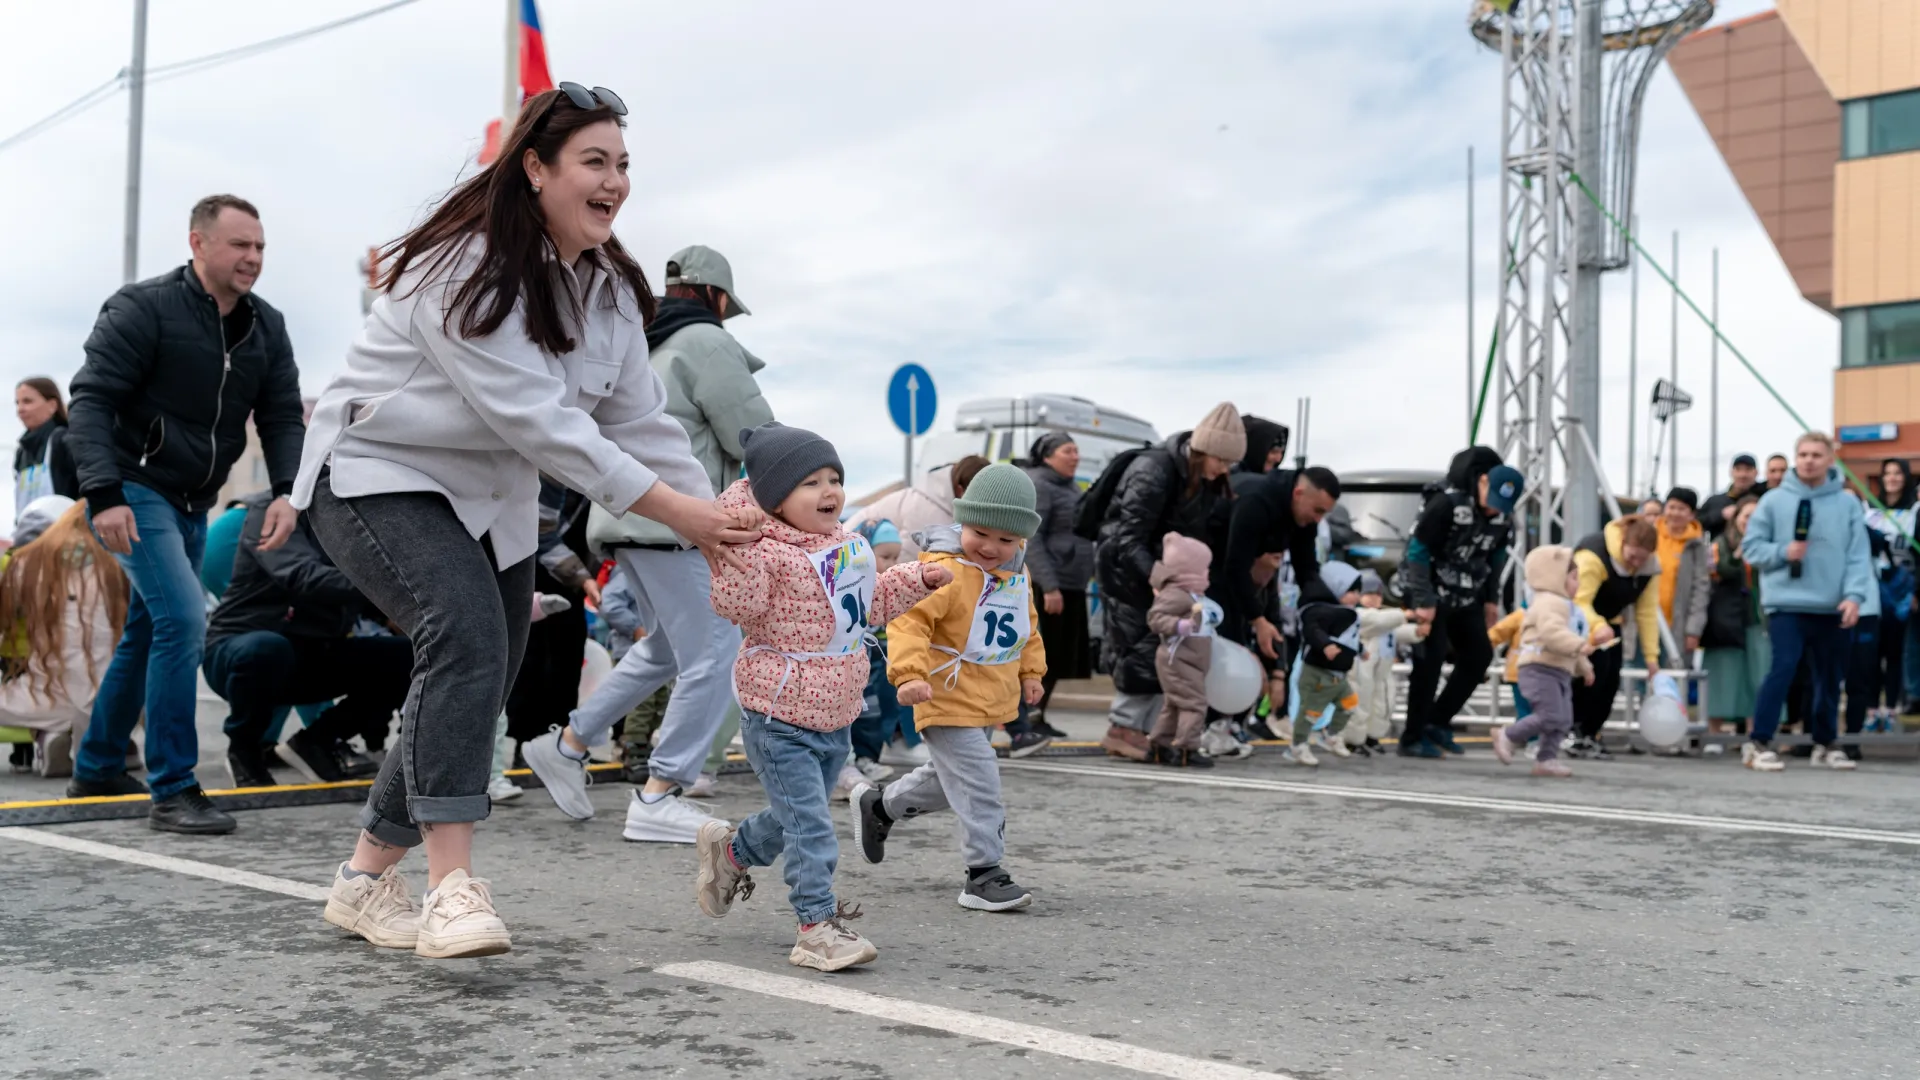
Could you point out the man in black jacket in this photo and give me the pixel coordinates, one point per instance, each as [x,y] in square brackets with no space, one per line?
[1451,578]
[1745,476]
[175,365]
[279,637]
[1278,512]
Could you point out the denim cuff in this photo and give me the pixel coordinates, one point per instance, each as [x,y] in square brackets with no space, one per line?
[433,809]
[817,915]
[388,832]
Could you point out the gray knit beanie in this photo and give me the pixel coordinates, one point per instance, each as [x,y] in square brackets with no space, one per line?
[778,457]
[1000,498]
[1371,585]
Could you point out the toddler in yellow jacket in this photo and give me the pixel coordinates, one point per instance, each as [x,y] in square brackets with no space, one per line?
[964,659]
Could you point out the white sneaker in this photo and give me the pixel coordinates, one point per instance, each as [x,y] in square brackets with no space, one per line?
[704,788]
[872,770]
[566,778]
[377,908]
[500,789]
[457,919]
[671,820]
[1302,755]
[1713,749]
[904,756]
[849,779]
[1760,760]
[1336,747]
[1218,741]
[1833,758]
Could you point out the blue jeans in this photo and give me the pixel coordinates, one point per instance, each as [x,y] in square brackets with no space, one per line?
[1826,647]
[797,767]
[158,659]
[1911,658]
[882,718]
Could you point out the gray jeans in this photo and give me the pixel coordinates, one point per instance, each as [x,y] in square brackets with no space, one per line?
[963,775]
[687,644]
[410,556]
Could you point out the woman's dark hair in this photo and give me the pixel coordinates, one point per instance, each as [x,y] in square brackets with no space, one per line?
[1197,477]
[707,296]
[499,207]
[1904,500]
[50,390]
[965,470]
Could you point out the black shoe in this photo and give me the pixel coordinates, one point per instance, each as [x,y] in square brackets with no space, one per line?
[1048,730]
[1420,748]
[994,890]
[1028,742]
[1443,738]
[248,767]
[22,759]
[1375,745]
[1258,729]
[870,826]
[189,812]
[354,764]
[1363,750]
[123,784]
[1193,759]
[312,756]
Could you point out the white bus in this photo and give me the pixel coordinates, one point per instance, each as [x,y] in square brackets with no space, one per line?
[1001,429]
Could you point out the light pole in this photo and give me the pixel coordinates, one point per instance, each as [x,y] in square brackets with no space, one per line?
[136,115]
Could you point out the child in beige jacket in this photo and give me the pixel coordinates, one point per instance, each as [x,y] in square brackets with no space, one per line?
[1553,649]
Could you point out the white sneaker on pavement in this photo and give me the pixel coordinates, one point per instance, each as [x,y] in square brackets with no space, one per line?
[1759,759]
[704,788]
[669,820]
[377,908]
[565,777]
[1833,758]
[1302,755]
[1332,745]
[872,770]
[901,755]
[849,779]
[1713,749]
[500,789]
[457,920]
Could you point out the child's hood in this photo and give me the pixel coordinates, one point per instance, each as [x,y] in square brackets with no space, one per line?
[1547,569]
[944,541]
[739,497]
[1184,561]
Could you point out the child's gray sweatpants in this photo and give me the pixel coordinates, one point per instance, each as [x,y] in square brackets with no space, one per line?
[963,775]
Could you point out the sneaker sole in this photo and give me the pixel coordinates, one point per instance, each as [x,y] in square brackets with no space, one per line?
[801,958]
[656,836]
[708,875]
[344,917]
[975,903]
[1034,749]
[466,946]
[541,758]
[194,830]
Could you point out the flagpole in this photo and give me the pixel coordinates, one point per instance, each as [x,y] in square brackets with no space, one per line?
[510,97]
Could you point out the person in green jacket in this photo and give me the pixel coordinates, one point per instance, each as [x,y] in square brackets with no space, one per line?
[1737,656]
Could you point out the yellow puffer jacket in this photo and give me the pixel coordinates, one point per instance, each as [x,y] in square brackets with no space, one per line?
[983,696]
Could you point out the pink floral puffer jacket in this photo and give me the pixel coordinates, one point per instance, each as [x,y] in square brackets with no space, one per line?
[780,603]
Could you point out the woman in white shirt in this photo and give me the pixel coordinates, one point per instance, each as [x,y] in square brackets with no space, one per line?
[507,341]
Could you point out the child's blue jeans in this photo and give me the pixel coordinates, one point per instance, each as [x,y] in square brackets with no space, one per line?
[797,766]
[882,718]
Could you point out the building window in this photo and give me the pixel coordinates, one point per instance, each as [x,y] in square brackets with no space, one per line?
[1884,334]
[1888,124]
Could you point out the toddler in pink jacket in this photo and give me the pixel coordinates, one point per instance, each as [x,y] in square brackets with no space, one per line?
[810,596]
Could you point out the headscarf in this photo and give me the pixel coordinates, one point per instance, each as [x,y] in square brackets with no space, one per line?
[1048,445]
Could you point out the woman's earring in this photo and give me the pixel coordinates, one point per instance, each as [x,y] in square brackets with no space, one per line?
[536,189]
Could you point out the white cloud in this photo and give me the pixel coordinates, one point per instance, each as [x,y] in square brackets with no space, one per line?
[1157,207]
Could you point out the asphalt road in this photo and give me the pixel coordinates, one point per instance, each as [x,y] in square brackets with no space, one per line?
[1367,919]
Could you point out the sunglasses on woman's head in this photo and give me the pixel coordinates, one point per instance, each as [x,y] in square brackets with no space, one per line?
[584,98]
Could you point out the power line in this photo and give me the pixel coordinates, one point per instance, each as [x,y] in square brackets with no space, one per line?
[163,72]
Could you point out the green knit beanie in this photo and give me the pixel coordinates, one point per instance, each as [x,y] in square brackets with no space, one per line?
[1000,498]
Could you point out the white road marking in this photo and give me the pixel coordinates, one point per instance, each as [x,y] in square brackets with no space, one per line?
[970,1025]
[190,867]
[1474,802]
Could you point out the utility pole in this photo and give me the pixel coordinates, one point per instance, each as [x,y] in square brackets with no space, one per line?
[510,97]
[1713,389]
[1633,348]
[136,116]
[1582,506]
[1673,373]
[1470,349]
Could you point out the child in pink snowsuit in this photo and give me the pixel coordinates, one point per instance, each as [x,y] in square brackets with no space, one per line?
[1184,619]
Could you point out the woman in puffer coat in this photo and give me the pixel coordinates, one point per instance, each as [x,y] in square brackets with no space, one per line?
[1171,488]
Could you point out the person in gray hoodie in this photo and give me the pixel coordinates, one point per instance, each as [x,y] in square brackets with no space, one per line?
[711,392]
[1809,542]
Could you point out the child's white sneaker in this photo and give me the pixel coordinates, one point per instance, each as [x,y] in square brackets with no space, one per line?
[500,789]
[1832,757]
[831,945]
[1303,755]
[1760,759]
[1332,745]
[849,779]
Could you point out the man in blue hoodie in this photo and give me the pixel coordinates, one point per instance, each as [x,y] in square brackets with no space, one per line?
[1808,540]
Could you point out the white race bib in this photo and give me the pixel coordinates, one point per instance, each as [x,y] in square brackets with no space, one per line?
[847,574]
[1211,615]
[1002,622]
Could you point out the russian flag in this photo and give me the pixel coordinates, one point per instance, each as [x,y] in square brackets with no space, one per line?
[534,77]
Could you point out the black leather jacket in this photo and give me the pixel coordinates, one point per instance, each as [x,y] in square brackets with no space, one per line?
[293,590]
[163,398]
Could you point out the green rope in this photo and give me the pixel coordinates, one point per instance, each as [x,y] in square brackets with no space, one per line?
[1627,233]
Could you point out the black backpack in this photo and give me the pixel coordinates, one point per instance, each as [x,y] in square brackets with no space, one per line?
[1092,510]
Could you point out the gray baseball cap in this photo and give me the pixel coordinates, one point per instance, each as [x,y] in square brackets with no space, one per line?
[701,265]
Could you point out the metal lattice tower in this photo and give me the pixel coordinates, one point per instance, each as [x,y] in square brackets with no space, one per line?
[1576,72]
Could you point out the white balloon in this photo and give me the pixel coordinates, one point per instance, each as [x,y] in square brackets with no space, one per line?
[1663,721]
[1234,679]
[594,668]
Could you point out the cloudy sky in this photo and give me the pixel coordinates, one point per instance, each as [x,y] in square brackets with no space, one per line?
[1156,206]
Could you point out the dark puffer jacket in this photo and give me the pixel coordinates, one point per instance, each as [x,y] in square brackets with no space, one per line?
[163,398]
[1059,559]
[293,590]
[1149,503]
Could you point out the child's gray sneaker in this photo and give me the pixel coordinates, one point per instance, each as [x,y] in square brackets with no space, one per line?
[994,890]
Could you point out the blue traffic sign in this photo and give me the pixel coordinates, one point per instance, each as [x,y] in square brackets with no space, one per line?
[911,400]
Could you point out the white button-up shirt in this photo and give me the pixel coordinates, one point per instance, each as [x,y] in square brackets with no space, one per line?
[420,408]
